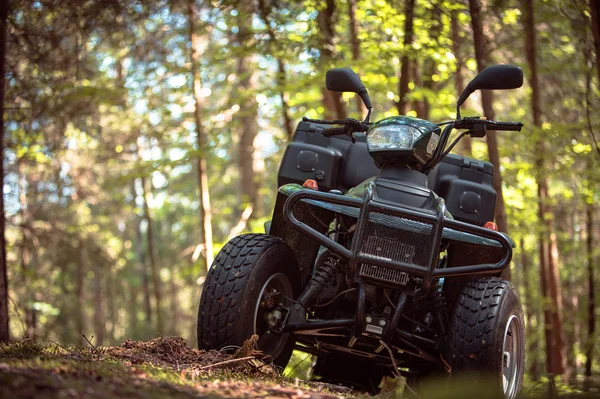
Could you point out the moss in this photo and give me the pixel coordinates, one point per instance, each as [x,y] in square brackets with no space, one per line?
[21,350]
[156,369]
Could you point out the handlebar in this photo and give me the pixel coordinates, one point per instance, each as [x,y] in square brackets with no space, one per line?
[350,126]
[507,126]
[479,126]
[334,131]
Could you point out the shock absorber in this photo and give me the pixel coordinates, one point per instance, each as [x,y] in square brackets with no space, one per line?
[438,309]
[326,276]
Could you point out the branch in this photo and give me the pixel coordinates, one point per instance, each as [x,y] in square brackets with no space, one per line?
[588,105]
[241,225]
[226,362]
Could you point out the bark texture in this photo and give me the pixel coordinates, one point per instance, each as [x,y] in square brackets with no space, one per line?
[404,78]
[355,48]
[555,347]
[156,285]
[591,310]
[465,146]
[481,55]
[595,14]
[4,328]
[334,105]
[247,80]
[205,207]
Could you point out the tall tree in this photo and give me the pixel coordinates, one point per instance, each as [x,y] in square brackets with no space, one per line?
[530,307]
[465,144]
[4,329]
[595,14]
[27,266]
[246,95]
[335,108]
[156,284]
[275,46]
[547,240]
[205,207]
[591,310]
[487,100]
[355,48]
[405,60]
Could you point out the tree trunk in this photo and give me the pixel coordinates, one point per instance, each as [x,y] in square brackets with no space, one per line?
[4,328]
[264,11]
[153,265]
[595,13]
[205,208]
[27,267]
[80,299]
[560,353]
[481,55]
[247,79]
[530,307]
[555,350]
[143,267]
[404,78]
[591,311]
[355,49]
[332,101]
[99,325]
[465,146]
[419,106]
[285,108]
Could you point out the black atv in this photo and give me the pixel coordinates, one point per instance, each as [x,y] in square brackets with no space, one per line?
[381,258]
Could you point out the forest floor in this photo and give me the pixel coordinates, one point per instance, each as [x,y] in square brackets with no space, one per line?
[165,367]
[169,367]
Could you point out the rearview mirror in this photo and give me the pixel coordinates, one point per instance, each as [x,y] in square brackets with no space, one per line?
[343,80]
[496,77]
[346,80]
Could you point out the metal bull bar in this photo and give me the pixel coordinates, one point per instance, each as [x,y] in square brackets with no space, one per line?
[367,205]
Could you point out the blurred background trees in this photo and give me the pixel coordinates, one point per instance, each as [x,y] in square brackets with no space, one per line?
[140,136]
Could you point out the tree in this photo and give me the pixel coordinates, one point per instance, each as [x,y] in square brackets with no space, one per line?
[246,96]
[4,328]
[205,207]
[404,78]
[547,238]
[335,108]
[459,82]
[156,284]
[487,100]
[591,310]
[595,14]
[355,48]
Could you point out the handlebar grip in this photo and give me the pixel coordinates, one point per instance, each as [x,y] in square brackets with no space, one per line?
[334,131]
[506,126]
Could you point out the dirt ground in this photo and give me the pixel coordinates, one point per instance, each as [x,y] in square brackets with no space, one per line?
[166,367]
[169,367]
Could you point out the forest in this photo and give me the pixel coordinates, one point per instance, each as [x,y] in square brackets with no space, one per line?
[138,137]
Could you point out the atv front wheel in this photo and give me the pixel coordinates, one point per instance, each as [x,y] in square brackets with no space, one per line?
[251,277]
[487,335]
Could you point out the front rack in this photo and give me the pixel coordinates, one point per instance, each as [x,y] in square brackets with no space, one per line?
[428,269]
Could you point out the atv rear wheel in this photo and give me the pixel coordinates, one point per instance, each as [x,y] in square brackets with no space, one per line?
[250,277]
[487,335]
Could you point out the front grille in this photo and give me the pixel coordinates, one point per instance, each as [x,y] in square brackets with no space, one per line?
[384,274]
[398,239]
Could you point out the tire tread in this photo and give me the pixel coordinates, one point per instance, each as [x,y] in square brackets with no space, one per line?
[224,288]
[473,324]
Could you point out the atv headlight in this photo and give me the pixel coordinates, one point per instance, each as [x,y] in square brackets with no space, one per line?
[393,137]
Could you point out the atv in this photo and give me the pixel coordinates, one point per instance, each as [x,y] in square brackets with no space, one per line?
[381,258]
